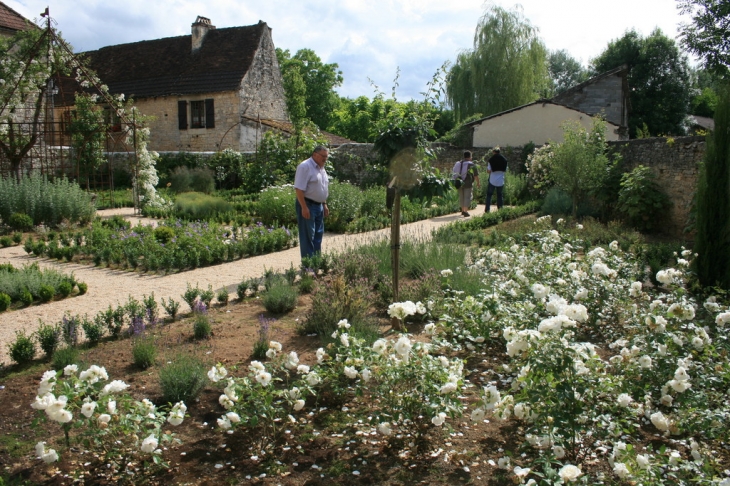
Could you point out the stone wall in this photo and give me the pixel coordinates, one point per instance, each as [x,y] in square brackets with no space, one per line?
[675,161]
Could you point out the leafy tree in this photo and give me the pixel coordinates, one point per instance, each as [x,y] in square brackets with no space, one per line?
[659,80]
[506,68]
[88,132]
[704,98]
[580,164]
[565,71]
[708,36]
[308,81]
[712,241]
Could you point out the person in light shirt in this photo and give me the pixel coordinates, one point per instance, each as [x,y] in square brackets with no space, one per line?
[312,188]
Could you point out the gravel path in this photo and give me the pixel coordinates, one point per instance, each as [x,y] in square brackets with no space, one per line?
[113,287]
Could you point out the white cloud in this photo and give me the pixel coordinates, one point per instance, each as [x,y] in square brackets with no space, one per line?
[367,39]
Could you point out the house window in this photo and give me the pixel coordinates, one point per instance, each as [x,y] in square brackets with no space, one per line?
[197,114]
[202,114]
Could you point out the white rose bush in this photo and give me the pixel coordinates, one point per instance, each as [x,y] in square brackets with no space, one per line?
[600,372]
[103,418]
[593,358]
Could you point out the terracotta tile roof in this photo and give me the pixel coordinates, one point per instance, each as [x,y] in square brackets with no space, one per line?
[165,67]
[288,127]
[12,21]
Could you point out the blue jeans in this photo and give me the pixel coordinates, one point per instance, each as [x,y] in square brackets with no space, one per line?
[311,230]
[490,191]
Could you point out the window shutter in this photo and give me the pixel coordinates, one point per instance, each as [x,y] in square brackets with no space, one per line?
[209,114]
[182,115]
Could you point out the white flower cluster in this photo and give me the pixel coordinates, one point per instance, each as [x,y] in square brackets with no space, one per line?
[401,310]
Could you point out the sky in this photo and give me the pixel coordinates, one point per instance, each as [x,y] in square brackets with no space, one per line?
[371,41]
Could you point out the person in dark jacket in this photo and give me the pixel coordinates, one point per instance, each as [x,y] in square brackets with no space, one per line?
[496,168]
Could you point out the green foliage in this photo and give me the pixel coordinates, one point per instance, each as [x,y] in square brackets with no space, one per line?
[201,326]
[659,78]
[580,163]
[199,206]
[164,234]
[171,306]
[641,200]
[280,298]
[344,202]
[26,298]
[20,221]
[65,288]
[22,350]
[712,240]
[199,180]
[222,296]
[63,357]
[516,190]
[44,201]
[49,338]
[276,206]
[88,133]
[144,352]
[338,299]
[4,301]
[311,83]
[507,66]
[462,135]
[707,36]
[190,295]
[182,379]
[93,330]
[277,157]
[46,293]
[5,241]
[565,71]
[83,287]
[206,296]
[557,202]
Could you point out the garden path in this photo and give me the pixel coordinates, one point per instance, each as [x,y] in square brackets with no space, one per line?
[113,287]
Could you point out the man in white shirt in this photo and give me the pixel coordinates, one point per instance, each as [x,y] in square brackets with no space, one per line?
[312,188]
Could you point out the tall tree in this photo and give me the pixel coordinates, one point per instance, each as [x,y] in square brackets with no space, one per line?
[712,240]
[659,80]
[565,71]
[708,36]
[308,79]
[506,68]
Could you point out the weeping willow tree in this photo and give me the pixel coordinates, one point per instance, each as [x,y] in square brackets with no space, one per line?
[507,68]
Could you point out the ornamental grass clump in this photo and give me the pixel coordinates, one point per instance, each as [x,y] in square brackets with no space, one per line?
[144,352]
[122,432]
[182,379]
[280,298]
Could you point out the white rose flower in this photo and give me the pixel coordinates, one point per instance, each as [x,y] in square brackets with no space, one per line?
[69,370]
[350,372]
[298,405]
[380,346]
[569,473]
[313,379]
[149,444]
[384,428]
[645,362]
[439,419]
[620,470]
[87,409]
[477,415]
[504,462]
[624,399]
[233,417]
[660,421]
[224,423]
[559,451]
[403,346]
[263,378]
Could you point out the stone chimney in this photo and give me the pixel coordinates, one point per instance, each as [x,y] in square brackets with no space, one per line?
[201,27]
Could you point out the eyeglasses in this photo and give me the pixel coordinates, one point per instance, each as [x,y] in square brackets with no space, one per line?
[322,154]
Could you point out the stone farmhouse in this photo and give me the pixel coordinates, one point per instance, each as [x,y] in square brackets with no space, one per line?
[11,21]
[211,90]
[541,121]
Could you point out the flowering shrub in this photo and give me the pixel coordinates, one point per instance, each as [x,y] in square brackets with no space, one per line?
[117,429]
[551,303]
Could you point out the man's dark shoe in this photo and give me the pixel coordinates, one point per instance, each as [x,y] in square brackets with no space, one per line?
[465,214]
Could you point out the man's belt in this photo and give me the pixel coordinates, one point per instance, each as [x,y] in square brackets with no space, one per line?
[312,201]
